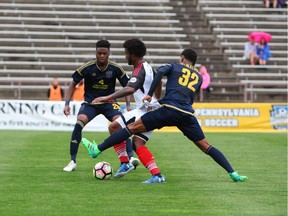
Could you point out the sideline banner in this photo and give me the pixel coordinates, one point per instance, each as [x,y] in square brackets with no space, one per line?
[240,117]
[44,115]
[213,117]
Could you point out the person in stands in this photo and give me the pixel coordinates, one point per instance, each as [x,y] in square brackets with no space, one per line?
[250,51]
[263,51]
[275,3]
[206,80]
[55,92]
[78,94]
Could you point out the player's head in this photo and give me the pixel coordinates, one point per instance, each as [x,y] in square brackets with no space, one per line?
[188,56]
[102,51]
[55,82]
[134,49]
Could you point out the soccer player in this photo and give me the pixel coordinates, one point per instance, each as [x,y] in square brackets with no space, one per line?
[183,81]
[138,85]
[100,76]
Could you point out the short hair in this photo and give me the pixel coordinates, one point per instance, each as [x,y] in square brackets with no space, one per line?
[103,43]
[190,55]
[135,47]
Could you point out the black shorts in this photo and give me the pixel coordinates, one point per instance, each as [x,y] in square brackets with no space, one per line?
[109,110]
[166,116]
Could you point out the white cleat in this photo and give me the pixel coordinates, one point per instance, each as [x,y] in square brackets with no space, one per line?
[134,161]
[70,167]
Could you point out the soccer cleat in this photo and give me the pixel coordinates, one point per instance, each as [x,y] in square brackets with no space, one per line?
[91,147]
[70,167]
[123,170]
[134,161]
[237,178]
[155,179]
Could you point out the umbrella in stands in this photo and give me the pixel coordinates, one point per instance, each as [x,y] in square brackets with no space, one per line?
[258,35]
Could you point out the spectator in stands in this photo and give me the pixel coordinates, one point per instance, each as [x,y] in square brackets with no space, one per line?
[282,4]
[263,51]
[55,92]
[206,80]
[275,3]
[250,50]
[78,94]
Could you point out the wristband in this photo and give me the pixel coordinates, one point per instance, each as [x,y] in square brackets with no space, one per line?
[127,103]
[67,103]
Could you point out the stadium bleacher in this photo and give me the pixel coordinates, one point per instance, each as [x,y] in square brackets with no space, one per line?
[52,38]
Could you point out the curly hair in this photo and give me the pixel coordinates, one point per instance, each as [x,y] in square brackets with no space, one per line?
[103,43]
[135,47]
[190,55]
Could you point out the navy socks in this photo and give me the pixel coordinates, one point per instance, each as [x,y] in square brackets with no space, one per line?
[219,158]
[75,140]
[115,138]
[129,149]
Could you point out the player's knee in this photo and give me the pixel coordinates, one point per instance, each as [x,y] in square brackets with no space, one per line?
[203,145]
[113,127]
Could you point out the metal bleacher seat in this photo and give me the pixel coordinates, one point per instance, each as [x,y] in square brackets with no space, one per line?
[52,38]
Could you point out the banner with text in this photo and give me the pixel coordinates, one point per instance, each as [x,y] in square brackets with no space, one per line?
[213,117]
[240,117]
[43,115]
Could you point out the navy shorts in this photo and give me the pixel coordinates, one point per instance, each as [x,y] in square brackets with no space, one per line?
[109,110]
[166,116]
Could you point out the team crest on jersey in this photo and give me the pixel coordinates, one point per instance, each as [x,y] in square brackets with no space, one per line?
[278,117]
[109,74]
[133,80]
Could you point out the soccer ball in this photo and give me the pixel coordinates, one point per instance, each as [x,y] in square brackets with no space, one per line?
[102,170]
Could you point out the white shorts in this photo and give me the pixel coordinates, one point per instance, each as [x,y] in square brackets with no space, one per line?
[137,113]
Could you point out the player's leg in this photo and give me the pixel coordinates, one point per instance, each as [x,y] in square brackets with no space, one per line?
[191,128]
[146,157]
[152,119]
[85,113]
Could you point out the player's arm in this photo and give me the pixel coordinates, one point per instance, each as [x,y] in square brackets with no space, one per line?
[77,77]
[127,90]
[162,71]
[68,96]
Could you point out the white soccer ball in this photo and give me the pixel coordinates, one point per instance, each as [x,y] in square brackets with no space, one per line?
[102,170]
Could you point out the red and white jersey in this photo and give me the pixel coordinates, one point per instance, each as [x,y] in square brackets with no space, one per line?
[141,81]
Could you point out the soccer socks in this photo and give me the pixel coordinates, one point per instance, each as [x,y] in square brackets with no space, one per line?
[75,139]
[120,150]
[147,160]
[115,138]
[219,158]
[129,148]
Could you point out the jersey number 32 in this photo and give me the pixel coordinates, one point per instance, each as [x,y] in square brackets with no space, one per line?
[184,79]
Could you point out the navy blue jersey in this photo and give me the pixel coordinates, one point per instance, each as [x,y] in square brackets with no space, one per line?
[99,82]
[183,82]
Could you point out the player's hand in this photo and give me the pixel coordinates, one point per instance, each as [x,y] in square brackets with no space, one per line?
[100,99]
[147,98]
[128,108]
[67,110]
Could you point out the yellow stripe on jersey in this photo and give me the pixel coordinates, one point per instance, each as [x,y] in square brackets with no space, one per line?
[176,108]
[190,66]
[91,62]
[119,66]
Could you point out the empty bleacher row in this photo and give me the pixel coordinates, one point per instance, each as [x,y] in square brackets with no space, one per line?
[52,38]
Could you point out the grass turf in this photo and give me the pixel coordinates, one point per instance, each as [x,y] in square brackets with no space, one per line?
[32,181]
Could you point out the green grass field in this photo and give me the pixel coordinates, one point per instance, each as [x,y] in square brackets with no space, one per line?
[32,181]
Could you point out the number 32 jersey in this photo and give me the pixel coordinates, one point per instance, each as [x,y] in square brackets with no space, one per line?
[183,82]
